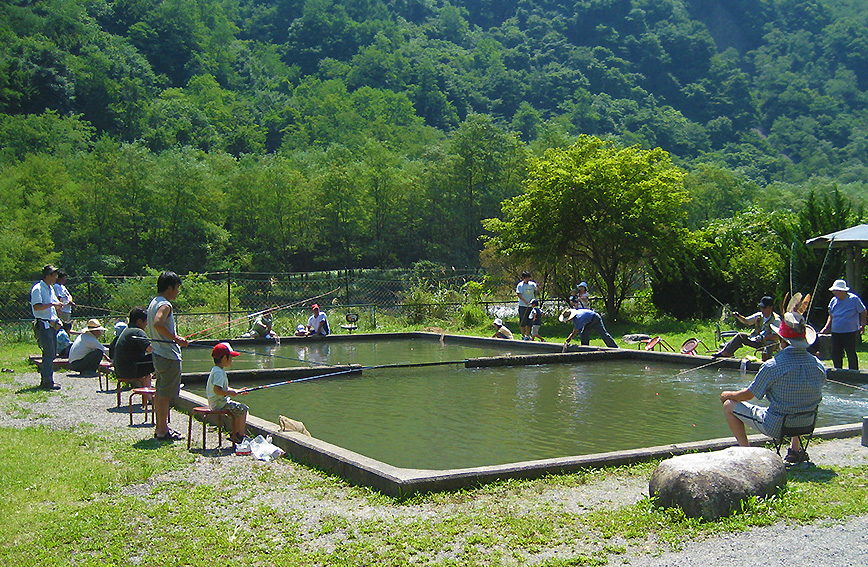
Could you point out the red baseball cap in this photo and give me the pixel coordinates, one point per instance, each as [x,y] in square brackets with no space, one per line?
[222,349]
[314,306]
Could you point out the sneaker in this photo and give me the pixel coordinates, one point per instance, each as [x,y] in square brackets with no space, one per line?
[795,457]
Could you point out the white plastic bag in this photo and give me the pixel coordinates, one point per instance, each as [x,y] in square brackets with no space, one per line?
[264,450]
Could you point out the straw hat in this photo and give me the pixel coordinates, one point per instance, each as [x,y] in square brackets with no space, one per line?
[94,325]
[567,314]
[839,285]
[795,330]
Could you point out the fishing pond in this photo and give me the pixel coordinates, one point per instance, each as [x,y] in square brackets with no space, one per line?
[453,416]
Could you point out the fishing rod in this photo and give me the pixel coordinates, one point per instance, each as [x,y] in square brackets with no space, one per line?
[722,304]
[820,275]
[846,384]
[350,370]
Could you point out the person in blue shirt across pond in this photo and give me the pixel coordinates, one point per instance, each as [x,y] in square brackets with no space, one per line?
[846,322]
[584,321]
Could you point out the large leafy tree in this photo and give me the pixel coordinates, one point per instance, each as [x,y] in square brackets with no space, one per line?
[594,204]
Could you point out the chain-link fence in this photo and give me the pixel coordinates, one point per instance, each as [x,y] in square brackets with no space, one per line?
[227,298]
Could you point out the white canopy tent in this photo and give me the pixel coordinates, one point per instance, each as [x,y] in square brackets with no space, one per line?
[853,239]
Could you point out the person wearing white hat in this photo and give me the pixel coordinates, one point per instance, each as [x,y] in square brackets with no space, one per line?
[584,321]
[502,332]
[846,322]
[792,382]
[86,351]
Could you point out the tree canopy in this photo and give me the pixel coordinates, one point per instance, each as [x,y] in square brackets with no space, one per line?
[598,206]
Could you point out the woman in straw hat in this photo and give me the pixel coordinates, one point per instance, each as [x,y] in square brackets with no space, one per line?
[87,352]
[846,322]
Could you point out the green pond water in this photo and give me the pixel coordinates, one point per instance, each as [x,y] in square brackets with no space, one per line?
[452,417]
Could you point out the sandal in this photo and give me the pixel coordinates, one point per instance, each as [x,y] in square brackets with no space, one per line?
[171,435]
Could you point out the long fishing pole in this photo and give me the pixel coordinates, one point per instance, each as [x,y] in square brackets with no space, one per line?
[722,304]
[347,371]
[820,275]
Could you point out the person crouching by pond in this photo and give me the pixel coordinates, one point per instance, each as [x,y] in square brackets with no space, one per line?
[792,382]
[584,321]
[846,322]
[86,351]
[219,391]
[501,332]
[317,323]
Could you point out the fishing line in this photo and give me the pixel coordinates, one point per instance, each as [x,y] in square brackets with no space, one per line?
[699,367]
[846,384]
[100,309]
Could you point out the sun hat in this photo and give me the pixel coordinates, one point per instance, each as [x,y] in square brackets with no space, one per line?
[222,349]
[766,301]
[795,330]
[839,285]
[567,314]
[497,322]
[94,325]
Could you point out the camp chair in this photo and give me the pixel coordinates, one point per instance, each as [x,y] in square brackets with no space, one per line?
[721,335]
[689,346]
[659,341]
[350,325]
[804,432]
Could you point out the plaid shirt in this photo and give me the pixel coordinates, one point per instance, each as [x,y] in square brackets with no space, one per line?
[792,382]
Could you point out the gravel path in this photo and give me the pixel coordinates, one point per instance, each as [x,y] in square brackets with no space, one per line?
[835,544]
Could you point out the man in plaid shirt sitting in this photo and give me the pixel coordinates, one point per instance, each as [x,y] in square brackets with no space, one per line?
[792,382]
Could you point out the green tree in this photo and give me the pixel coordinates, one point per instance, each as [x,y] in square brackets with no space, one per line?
[607,207]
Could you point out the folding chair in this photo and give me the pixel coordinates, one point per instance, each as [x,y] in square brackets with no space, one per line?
[659,341]
[689,346]
[804,432]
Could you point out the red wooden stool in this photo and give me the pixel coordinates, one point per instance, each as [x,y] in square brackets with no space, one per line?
[147,395]
[205,411]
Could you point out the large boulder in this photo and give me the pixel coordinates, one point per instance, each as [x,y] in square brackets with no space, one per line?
[713,485]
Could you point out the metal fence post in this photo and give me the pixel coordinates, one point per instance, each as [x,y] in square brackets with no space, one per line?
[229,300]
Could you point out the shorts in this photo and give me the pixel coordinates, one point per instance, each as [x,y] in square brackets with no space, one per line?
[523,313]
[534,330]
[235,408]
[167,371]
[752,414]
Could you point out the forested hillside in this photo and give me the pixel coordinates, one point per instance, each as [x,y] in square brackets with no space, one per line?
[301,134]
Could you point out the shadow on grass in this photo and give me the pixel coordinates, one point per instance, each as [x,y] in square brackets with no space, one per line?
[809,472]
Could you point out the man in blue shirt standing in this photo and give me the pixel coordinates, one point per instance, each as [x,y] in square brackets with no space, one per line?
[792,382]
[44,305]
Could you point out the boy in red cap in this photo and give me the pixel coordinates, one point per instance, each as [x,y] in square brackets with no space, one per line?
[218,390]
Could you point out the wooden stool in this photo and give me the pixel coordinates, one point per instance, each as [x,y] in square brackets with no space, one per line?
[122,381]
[105,369]
[147,400]
[205,411]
